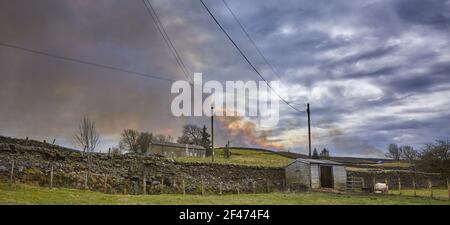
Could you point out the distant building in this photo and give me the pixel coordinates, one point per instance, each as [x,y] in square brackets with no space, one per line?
[169,149]
[314,174]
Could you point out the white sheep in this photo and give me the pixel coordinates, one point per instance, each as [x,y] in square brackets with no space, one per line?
[381,188]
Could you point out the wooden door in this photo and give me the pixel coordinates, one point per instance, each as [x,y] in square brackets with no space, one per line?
[326,176]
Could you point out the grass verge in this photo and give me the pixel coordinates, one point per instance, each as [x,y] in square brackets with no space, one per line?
[243,157]
[25,194]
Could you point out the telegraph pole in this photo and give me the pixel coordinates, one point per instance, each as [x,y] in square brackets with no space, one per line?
[309,130]
[212,133]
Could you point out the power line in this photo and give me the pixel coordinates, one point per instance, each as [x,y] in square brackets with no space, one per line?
[251,40]
[84,62]
[166,38]
[246,59]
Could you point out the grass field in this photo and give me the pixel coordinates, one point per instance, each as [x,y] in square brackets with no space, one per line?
[243,157]
[384,166]
[251,157]
[24,194]
[437,193]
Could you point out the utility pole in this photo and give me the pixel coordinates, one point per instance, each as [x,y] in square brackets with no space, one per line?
[212,133]
[309,130]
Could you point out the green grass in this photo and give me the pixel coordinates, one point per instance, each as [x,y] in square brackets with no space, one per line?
[384,166]
[400,164]
[243,157]
[440,193]
[24,194]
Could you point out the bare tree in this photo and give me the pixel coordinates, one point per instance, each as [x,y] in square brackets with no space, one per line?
[143,141]
[116,151]
[169,138]
[394,152]
[191,134]
[411,155]
[129,141]
[162,138]
[87,136]
[435,158]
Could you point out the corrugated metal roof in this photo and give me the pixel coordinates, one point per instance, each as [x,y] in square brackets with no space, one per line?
[318,161]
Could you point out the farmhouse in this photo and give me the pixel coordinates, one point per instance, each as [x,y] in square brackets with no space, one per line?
[315,174]
[170,149]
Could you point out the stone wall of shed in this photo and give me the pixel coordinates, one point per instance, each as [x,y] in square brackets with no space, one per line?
[315,176]
[340,178]
[303,176]
[298,176]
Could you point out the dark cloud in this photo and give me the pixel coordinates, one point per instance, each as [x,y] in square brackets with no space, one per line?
[377,71]
[433,13]
[371,54]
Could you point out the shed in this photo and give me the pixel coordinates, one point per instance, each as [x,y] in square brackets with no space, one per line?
[315,174]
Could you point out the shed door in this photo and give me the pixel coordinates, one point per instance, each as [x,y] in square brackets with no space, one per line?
[326,176]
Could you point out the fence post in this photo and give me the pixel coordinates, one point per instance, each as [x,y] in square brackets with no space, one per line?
[11,177]
[414,186]
[183,186]
[448,188]
[350,182]
[254,187]
[86,180]
[399,186]
[144,183]
[387,185]
[162,185]
[373,183]
[105,184]
[220,188]
[268,186]
[174,184]
[430,185]
[202,187]
[51,175]
[238,191]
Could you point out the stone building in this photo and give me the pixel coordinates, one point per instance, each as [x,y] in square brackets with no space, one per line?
[314,174]
[169,149]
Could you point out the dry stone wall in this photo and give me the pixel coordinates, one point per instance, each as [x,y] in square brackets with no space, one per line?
[34,160]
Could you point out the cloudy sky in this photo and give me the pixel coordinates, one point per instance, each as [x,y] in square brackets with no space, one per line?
[374,71]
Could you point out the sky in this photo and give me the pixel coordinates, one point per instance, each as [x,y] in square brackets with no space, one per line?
[374,71]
